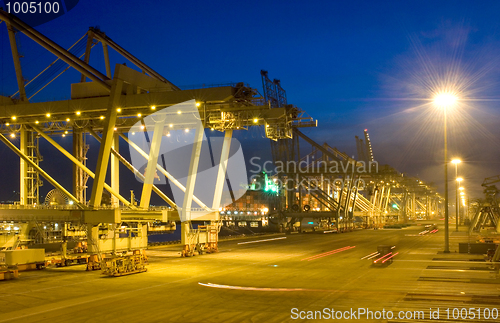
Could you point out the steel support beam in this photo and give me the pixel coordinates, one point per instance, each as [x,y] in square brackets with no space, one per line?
[41,171]
[387,199]
[115,170]
[221,173]
[413,204]
[86,59]
[154,151]
[105,40]
[135,171]
[190,183]
[107,139]
[79,176]
[82,166]
[55,49]
[23,171]
[193,171]
[17,61]
[162,170]
[106,59]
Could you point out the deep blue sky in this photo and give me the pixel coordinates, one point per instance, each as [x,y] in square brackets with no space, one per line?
[350,64]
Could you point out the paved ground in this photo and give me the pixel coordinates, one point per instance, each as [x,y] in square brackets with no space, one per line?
[264,281]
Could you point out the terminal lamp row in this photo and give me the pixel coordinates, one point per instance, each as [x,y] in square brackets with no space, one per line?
[79,113]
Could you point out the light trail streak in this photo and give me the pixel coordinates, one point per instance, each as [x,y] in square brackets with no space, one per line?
[247,242]
[262,289]
[321,255]
[375,253]
[378,253]
[389,257]
[384,256]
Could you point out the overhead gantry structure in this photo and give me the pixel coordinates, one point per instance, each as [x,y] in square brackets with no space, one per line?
[106,105]
[342,186]
[487,211]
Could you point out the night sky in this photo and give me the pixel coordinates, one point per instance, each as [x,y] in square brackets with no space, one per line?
[350,64]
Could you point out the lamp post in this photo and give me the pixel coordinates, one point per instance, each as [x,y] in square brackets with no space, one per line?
[462,198]
[445,100]
[457,184]
[456,162]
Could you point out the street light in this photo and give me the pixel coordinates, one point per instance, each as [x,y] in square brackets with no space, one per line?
[457,209]
[444,100]
[456,162]
[462,197]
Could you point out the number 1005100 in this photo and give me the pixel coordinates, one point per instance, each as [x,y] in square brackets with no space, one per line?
[32,7]
[472,313]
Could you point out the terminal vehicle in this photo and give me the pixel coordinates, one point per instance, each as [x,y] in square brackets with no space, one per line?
[432,228]
[385,255]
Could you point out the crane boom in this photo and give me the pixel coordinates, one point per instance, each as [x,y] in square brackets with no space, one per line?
[491,180]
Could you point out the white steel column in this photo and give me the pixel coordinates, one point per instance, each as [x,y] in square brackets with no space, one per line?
[193,169]
[154,150]
[381,200]
[387,199]
[115,171]
[221,174]
[191,181]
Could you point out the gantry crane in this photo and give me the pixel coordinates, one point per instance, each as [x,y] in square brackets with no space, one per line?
[105,105]
[488,211]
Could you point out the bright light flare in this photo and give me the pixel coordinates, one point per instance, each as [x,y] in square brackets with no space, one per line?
[445,99]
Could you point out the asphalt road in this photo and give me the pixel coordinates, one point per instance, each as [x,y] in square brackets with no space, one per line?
[275,278]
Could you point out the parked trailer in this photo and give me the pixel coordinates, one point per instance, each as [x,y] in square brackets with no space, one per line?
[70,260]
[24,259]
[7,273]
[125,265]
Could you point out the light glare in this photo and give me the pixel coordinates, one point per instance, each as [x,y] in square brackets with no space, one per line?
[445,99]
